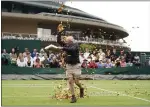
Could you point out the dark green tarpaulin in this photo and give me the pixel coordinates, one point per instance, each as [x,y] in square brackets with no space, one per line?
[12,43]
[115,71]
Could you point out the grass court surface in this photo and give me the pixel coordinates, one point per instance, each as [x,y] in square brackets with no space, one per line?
[101,93]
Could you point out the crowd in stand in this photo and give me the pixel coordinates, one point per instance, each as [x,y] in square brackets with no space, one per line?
[108,59]
[94,59]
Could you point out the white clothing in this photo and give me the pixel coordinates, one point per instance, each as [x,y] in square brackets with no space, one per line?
[26,60]
[20,64]
[86,55]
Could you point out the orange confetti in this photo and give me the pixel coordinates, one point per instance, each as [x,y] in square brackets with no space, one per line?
[61,8]
[60,28]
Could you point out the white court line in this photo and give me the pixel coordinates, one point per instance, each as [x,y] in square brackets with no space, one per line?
[120,94]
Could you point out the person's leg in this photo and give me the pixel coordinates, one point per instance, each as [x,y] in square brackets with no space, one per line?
[70,77]
[71,87]
[77,82]
[77,74]
[80,86]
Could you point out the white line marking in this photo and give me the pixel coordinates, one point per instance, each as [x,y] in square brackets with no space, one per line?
[120,93]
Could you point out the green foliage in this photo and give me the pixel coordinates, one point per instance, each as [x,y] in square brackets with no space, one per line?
[90,47]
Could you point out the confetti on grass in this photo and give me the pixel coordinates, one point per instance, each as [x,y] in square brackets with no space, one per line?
[62,91]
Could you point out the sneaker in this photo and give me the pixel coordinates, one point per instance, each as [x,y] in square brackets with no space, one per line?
[73,99]
[81,92]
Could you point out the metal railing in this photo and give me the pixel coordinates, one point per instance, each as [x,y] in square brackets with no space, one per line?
[25,36]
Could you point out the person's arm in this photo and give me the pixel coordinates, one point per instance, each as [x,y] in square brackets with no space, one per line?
[59,39]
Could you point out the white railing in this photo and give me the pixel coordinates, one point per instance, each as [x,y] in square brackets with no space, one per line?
[24,36]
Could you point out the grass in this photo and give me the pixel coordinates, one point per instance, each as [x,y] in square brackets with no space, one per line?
[101,92]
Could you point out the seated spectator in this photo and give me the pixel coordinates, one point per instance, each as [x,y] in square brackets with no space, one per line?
[20,60]
[129,57]
[100,64]
[36,57]
[121,55]
[117,64]
[86,54]
[29,60]
[123,63]
[37,63]
[25,53]
[108,54]
[84,64]
[5,57]
[101,55]
[13,57]
[33,54]
[89,58]
[42,54]
[113,58]
[54,63]
[46,62]
[51,54]
[108,64]
[81,58]
[92,64]
[93,55]
[136,59]
[113,63]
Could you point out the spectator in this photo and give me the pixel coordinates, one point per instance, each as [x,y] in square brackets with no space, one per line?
[93,55]
[20,60]
[101,55]
[46,62]
[86,54]
[117,64]
[25,53]
[113,63]
[41,56]
[42,53]
[108,64]
[92,64]
[13,57]
[54,63]
[51,54]
[121,54]
[84,64]
[136,60]
[108,54]
[123,63]
[129,57]
[33,54]
[36,57]
[99,64]
[37,63]
[5,57]
[28,60]
[81,58]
